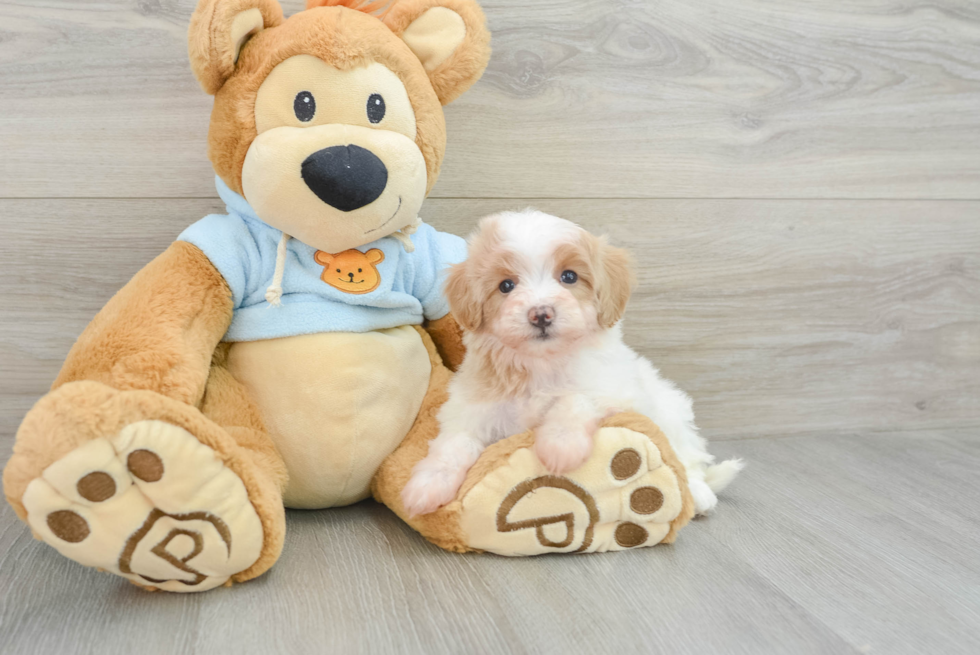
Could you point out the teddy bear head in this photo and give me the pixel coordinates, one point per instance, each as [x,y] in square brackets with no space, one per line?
[330,122]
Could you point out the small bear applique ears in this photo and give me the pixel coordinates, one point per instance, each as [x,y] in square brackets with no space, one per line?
[219,29]
[372,256]
[449,37]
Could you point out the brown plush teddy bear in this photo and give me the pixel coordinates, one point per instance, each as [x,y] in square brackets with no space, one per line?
[290,353]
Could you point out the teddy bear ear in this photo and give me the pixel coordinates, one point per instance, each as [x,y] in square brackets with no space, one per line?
[449,37]
[219,29]
[374,256]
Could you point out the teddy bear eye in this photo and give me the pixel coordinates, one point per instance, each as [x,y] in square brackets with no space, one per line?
[569,277]
[304,106]
[358,270]
[506,286]
[338,270]
[375,108]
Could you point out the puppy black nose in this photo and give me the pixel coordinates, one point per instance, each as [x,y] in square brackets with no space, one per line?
[541,316]
[345,177]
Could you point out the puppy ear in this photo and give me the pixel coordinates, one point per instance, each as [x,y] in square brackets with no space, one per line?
[219,29]
[463,304]
[449,37]
[614,282]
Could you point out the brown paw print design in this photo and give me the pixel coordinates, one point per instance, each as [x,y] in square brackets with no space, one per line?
[351,271]
[625,496]
[643,500]
[152,504]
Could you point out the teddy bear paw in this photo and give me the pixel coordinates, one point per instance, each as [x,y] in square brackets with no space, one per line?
[624,496]
[152,504]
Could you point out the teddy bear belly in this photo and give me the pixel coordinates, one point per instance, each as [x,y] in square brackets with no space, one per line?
[335,404]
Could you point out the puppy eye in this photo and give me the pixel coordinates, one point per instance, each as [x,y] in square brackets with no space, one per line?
[569,277]
[304,106]
[375,108]
[507,286]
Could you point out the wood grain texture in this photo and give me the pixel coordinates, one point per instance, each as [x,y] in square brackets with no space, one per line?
[811,316]
[826,544]
[584,98]
[849,328]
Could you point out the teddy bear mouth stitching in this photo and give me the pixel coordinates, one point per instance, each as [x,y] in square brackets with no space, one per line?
[397,209]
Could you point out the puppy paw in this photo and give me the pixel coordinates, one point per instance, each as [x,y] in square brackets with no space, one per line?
[430,487]
[562,449]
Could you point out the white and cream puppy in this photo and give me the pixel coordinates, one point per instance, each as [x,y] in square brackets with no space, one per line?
[540,300]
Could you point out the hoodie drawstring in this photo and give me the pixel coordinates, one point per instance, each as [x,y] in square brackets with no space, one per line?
[404,234]
[273,295]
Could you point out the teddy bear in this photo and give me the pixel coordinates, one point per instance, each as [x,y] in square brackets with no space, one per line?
[294,351]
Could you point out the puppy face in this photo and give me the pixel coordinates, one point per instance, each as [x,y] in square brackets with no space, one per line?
[538,284]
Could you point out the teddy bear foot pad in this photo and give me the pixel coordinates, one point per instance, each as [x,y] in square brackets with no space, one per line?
[624,496]
[152,504]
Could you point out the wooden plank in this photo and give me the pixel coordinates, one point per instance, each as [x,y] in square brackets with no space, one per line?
[825,544]
[871,535]
[587,98]
[809,317]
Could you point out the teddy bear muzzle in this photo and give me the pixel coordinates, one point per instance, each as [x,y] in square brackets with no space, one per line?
[334,186]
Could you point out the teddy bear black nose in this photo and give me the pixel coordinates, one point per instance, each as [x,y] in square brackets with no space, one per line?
[346,177]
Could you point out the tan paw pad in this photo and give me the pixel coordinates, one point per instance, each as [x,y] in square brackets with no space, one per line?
[152,504]
[623,497]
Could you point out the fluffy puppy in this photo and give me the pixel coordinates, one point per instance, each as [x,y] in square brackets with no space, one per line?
[540,301]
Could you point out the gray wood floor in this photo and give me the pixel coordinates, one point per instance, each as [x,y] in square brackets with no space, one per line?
[800,184]
[828,544]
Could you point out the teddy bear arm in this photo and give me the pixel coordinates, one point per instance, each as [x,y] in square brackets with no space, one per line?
[159,332]
[448,337]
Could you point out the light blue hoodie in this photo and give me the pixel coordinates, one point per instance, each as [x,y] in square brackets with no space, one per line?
[243,249]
